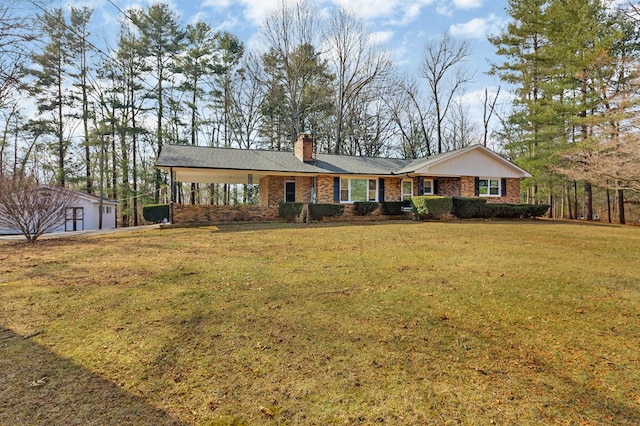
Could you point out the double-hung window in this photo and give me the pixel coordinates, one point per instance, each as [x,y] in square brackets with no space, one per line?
[427,187]
[352,190]
[488,187]
[407,189]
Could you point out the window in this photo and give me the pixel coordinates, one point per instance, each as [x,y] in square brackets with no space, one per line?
[106,209]
[290,192]
[358,190]
[407,189]
[489,187]
[428,187]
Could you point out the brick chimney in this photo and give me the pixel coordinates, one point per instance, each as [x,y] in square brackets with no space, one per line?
[303,148]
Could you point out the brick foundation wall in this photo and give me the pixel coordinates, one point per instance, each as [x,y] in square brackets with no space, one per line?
[220,214]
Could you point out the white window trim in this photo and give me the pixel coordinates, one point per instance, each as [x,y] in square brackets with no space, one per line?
[489,179]
[367,178]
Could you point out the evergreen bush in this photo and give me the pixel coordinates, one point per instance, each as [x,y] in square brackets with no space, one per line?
[431,207]
[392,208]
[363,208]
[467,208]
[318,211]
[155,213]
[289,211]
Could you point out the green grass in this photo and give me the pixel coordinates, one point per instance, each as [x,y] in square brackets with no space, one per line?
[533,322]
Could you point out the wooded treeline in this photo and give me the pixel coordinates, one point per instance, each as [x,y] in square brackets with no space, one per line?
[77,112]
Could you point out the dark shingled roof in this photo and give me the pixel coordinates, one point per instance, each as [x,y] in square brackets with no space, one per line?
[254,160]
[189,156]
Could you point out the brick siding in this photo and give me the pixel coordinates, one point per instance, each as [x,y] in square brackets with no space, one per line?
[222,213]
[271,193]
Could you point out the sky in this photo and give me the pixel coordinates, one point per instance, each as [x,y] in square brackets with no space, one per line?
[403,27]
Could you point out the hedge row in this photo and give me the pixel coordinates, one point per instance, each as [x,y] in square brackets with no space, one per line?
[155,213]
[318,211]
[394,208]
[467,208]
[289,211]
[363,208]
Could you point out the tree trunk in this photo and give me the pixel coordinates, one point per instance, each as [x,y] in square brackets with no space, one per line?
[621,218]
[575,199]
[608,205]
[588,201]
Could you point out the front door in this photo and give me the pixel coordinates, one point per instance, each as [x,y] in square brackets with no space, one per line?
[74,219]
[290,192]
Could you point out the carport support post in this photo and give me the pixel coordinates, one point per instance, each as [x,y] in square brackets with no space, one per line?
[171,193]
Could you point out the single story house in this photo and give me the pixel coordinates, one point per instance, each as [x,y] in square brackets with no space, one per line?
[307,177]
[82,214]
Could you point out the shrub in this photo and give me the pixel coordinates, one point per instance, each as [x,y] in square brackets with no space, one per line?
[363,208]
[318,211]
[289,211]
[155,213]
[536,210]
[514,211]
[431,207]
[467,208]
[392,208]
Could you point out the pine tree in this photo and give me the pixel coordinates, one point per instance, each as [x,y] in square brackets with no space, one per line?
[51,72]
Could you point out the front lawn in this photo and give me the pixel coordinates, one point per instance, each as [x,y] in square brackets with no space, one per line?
[532,322]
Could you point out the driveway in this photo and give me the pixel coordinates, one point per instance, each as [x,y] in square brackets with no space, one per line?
[20,237]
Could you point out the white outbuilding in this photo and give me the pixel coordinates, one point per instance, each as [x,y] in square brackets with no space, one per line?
[82,214]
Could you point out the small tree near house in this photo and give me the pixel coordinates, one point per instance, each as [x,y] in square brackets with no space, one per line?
[31,208]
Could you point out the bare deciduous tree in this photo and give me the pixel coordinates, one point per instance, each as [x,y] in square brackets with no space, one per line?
[442,68]
[291,33]
[358,64]
[488,108]
[31,208]
[412,117]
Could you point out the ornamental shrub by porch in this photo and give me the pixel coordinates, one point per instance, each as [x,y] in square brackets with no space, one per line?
[363,208]
[318,211]
[431,207]
[289,211]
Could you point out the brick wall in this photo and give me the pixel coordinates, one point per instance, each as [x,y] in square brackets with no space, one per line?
[513,193]
[468,186]
[220,214]
[325,189]
[393,189]
[449,187]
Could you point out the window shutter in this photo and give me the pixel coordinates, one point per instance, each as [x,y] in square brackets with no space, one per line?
[336,189]
[477,186]
[420,185]
[503,187]
[381,190]
[435,186]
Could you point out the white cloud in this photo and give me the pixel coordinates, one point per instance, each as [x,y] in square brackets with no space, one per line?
[467,4]
[372,9]
[381,37]
[256,11]
[477,27]
[368,9]
[214,4]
